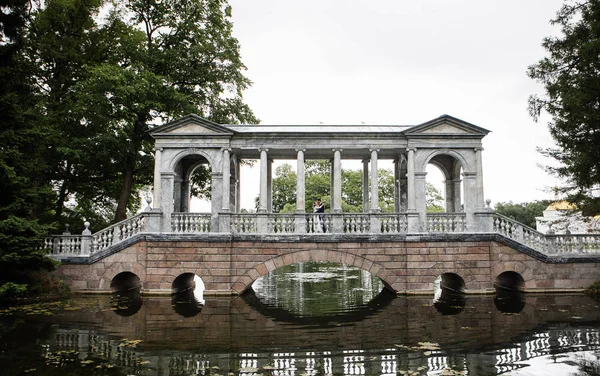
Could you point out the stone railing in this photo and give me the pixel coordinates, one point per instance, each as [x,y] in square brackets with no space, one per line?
[191,223]
[550,244]
[310,223]
[87,244]
[64,245]
[118,232]
[446,222]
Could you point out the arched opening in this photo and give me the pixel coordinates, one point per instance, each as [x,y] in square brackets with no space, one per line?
[126,298]
[444,185]
[509,280]
[125,281]
[187,294]
[318,289]
[449,294]
[192,190]
[509,292]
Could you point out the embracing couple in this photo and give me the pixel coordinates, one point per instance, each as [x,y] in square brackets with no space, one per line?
[319,207]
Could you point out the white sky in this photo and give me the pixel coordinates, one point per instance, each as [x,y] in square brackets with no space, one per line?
[404,62]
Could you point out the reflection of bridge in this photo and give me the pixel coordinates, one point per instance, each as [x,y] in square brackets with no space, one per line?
[407,249]
[421,361]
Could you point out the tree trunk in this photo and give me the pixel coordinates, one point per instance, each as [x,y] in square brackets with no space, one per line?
[126,189]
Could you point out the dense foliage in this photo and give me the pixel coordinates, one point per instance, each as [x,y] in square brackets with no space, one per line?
[525,212]
[83,81]
[571,78]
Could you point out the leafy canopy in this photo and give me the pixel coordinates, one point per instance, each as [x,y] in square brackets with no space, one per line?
[570,74]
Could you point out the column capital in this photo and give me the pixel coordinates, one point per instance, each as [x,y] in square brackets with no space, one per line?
[168,174]
[302,150]
[372,150]
[159,149]
[226,149]
[413,149]
[263,149]
[420,175]
[340,150]
[479,148]
[469,175]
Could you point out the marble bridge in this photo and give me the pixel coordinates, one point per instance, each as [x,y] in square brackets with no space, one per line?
[408,249]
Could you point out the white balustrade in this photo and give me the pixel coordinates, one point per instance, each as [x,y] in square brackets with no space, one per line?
[317,223]
[356,223]
[550,244]
[393,223]
[117,233]
[191,223]
[446,222]
[281,224]
[242,223]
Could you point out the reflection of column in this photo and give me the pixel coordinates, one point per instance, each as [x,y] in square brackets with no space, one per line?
[270,186]
[480,198]
[157,182]
[300,182]
[337,181]
[365,186]
[262,204]
[226,180]
[411,179]
[374,182]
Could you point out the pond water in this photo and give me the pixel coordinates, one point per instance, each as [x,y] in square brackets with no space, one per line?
[307,319]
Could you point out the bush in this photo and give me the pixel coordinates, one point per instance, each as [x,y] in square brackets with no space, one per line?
[594,290]
[12,291]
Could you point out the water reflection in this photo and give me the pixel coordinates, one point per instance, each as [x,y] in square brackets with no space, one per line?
[407,335]
[509,301]
[126,303]
[316,289]
[187,296]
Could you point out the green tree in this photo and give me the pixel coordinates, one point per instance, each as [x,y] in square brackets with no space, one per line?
[524,213]
[571,78]
[434,199]
[317,185]
[25,185]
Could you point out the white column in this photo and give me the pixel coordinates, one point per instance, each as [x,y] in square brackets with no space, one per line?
[167,182]
[264,196]
[300,182]
[411,179]
[337,181]
[374,182]
[480,197]
[237,185]
[365,186]
[157,178]
[270,186]
[396,185]
[226,180]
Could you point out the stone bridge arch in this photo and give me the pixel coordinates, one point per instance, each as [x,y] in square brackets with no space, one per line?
[248,276]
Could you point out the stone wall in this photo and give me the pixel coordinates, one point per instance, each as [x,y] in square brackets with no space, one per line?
[231,266]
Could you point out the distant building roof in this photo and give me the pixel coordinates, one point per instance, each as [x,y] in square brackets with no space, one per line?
[561,205]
